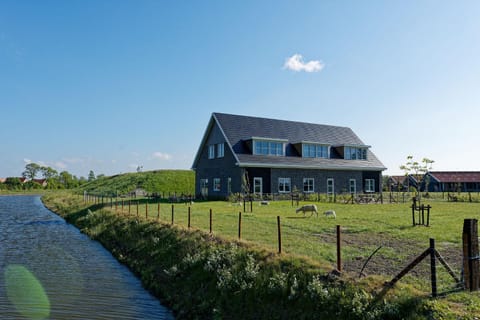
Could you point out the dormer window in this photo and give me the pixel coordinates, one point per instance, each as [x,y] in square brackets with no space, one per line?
[355,153]
[267,147]
[310,150]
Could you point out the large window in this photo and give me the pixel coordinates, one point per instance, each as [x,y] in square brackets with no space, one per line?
[314,150]
[216,184]
[369,185]
[220,150]
[330,186]
[269,148]
[355,153]
[308,185]
[284,185]
[211,151]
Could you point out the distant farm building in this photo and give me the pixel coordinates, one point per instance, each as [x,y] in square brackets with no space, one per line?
[452,181]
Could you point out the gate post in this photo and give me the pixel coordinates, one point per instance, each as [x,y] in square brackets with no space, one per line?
[433,268]
[471,259]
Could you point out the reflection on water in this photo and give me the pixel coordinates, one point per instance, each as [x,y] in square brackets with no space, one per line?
[49,270]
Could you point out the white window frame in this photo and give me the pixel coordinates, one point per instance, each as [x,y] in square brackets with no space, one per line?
[220,150]
[211,151]
[330,186]
[352,186]
[258,182]
[310,150]
[369,185]
[268,148]
[284,184]
[217,184]
[355,153]
[204,187]
[310,184]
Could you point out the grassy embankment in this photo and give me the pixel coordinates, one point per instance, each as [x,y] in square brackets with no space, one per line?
[207,276]
[164,182]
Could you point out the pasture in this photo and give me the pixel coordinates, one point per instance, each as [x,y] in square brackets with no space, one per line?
[364,228]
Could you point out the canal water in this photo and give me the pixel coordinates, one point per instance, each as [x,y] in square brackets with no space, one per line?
[49,270]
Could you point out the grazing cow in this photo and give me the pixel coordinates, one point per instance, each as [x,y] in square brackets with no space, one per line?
[330,213]
[308,208]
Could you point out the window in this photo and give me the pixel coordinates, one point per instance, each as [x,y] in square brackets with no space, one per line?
[330,186]
[355,153]
[257,185]
[369,185]
[229,185]
[211,151]
[314,150]
[268,148]
[216,184]
[353,186]
[308,185]
[204,187]
[220,150]
[284,185]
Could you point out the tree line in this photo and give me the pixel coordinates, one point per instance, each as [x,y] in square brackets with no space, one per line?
[36,176]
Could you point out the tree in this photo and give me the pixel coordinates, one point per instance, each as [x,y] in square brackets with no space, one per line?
[91,176]
[48,172]
[13,183]
[31,171]
[418,171]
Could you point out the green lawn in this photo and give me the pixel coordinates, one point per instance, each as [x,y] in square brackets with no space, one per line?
[364,229]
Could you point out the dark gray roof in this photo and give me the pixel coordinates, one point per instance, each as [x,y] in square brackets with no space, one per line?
[239,129]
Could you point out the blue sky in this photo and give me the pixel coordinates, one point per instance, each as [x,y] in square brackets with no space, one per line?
[112,85]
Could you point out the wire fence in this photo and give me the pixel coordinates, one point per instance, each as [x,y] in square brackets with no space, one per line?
[343,247]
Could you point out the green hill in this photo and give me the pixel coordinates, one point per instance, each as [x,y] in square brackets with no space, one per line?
[160,181]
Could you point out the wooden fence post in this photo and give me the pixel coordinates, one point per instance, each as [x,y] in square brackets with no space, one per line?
[339,249]
[428,214]
[211,220]
[189,215]
[279,232]
[158,211]
[146,210]
[413,214]
[433,268]
[471,258]
[239,225]
[173,213]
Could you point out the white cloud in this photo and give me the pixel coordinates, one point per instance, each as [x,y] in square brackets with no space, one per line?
[161,156]
[61,165]
[27,161]
[296,63]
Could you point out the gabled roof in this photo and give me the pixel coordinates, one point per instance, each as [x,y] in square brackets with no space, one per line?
[456,176]
[238,129]
[398,179]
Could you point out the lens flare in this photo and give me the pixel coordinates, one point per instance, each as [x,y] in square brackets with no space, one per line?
[26,293]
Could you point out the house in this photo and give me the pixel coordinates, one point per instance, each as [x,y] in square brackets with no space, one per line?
[42,182]
[453,181]
[259,155]
[402,183]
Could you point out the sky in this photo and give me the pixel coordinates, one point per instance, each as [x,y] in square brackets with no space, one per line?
[111,86]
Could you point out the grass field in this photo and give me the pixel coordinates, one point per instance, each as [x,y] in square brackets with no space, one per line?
[364,228]
[307,242]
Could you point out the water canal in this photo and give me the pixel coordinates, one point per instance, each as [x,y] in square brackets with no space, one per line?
[49,270]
